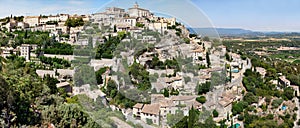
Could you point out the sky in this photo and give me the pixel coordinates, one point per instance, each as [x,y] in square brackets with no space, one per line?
[258,15]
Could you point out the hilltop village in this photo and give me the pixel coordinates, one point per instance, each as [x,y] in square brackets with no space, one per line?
[150,68]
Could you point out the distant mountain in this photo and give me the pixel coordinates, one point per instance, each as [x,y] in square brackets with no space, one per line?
[221,31]
[216,32]
[233,31]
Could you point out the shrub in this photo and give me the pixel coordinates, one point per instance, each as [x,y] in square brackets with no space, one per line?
[276,103]
[149,121]
[240,117]
[215,113]
[201,99]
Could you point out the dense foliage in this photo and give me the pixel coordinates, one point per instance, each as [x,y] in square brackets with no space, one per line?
[29,101]
[201,99]
[59,49]
[203,88]
[276,64]
[196,119]
[140,76]
[117,98]
[99,75]
[55,62]
[107,49]
[74,22]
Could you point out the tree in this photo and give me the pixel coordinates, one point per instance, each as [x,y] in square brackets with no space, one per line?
[187,40]
[272,73]
[140,76]
[2,63]
[115,28]
[111,89]
[193,117]
[203,88]
[215,113]
[173,119]
[74,22]
[250,98]
[67,115]
[240,117]
[166,92]
[238,107]
[149,121]
[51,83]
[84,74]
[174,92]
[99,75]
[288,93]
[228,58]
[26,34]
[201,99]
[140,25]
[183,123]
[208,59]
[222,124]
[6,102]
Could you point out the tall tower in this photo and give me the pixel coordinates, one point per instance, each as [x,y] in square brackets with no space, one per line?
[136,5]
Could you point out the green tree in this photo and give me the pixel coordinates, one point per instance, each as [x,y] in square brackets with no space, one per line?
[208,59]
[201,99]
[74,22]
[250,98]
[187,40]
[99,75]
[183,123]
[173,119]
[140,76]
[203,88]
[215,113]
[51,83]
[192,118]
[115,28]
[228,58]
[166,92]
[288,93]
[140,25]
[111,89]
[238,107]
[240,117]
[149,121]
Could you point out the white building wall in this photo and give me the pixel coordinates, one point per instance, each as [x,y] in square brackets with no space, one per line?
[32,20]
[25,52]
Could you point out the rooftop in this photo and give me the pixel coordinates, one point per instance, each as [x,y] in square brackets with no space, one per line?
[166,103]
[151,109]
[182,98]
[138,105]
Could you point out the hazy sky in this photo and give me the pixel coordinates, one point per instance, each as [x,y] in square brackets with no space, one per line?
[262,15]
